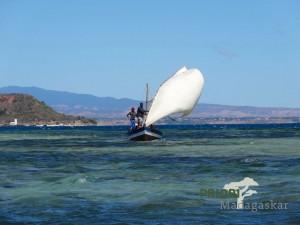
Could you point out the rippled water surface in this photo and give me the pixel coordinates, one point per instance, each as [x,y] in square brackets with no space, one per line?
[93,175]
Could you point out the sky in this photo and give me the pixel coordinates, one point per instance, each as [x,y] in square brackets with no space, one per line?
[248,51]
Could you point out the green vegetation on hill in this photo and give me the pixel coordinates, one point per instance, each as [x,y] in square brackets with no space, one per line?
[29,110]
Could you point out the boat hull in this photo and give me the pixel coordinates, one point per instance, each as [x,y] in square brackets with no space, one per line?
[144,134]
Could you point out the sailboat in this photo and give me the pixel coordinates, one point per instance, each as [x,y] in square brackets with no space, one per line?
[178,94]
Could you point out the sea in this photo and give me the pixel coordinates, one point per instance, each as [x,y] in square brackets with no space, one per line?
[94,175]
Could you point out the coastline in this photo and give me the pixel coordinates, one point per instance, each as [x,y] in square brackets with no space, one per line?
[211,120]
[159,124]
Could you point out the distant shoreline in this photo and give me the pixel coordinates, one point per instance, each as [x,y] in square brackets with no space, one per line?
[180,121]
[160,125]
[211,120]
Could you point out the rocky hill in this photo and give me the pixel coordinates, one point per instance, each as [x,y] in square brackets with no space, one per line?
[28,110]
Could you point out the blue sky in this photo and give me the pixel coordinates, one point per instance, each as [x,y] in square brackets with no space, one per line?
[248,51]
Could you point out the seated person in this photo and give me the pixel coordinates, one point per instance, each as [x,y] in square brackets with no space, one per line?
[139,124]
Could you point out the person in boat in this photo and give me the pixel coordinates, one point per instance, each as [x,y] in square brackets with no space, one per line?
[141,113]
[139,124]
[132,115]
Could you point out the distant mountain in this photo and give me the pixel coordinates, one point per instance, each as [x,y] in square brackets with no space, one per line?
[107,108]
[77,104]
[226,111]
[60,98]
[28,110]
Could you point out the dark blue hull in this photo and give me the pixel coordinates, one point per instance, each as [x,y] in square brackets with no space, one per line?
[144,134]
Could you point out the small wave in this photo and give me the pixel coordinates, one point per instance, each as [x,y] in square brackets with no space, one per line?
[82,180]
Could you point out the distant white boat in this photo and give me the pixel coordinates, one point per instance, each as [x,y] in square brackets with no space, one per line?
[14,123]
[179,94]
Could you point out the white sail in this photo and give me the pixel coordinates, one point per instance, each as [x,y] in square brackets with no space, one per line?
[179,94]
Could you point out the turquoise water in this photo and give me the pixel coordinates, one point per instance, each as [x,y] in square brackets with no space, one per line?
[93,175]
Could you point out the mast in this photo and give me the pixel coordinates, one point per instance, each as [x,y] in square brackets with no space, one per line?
[147,96]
